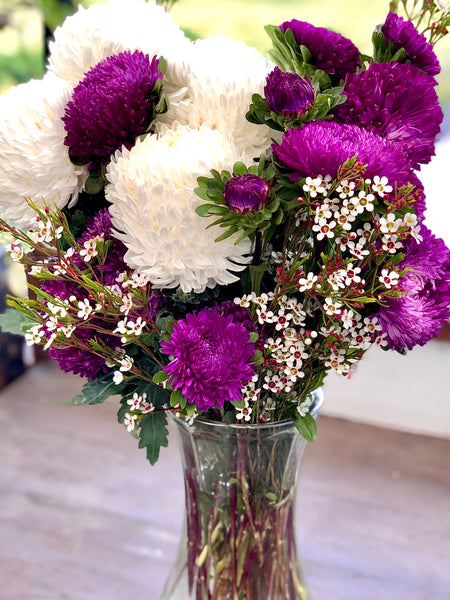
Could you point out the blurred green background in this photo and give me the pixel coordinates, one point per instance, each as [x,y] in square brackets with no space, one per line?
[22,27]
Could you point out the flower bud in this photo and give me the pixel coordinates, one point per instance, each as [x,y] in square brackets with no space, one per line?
[288,94]
[245,193]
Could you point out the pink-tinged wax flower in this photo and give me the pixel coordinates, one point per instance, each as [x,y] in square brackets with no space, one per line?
[246,193]
[288,94]
[212,358]
[331,52]
[113,105]
[418,316]
[403,34]
[381,101]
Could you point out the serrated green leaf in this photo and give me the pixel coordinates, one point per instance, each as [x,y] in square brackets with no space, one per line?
[97,391]
[153,435]
[306,426]
[15,322]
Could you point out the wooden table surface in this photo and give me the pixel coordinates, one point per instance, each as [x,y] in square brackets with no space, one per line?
[84,517]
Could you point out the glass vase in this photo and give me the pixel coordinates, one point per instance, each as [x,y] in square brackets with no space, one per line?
[239,531]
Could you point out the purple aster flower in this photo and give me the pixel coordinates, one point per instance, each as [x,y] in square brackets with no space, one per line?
[418,316]
[403,34]
[78,360]
[288,94]
[331,52]
[321,147]
[100,225]
[380,100]
[212,358]
[111,106]
[246,193]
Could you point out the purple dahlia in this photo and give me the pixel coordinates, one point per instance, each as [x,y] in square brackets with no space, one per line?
[113,104]
[381,100]
[331,52]
[212,358]
[288,94]
[403,34]
[245,193]
[418,316]
[321,147]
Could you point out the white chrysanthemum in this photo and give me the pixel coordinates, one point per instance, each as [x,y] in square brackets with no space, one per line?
[153,209]
[93,34]
[222,75]
[34,162]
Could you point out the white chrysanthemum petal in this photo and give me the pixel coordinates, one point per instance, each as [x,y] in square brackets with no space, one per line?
[34,162]
[153,209]
[91,35]
[222,75]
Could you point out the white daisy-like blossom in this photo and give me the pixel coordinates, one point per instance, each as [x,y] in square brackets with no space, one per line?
[34,162]
[102,30]
[153,209]
[222,75]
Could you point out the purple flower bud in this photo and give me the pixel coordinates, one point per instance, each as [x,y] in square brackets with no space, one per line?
[245,193]
[288,94]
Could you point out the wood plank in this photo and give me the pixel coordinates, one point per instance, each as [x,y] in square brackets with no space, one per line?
[84,517]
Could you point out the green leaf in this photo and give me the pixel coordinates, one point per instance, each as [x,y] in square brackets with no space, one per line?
[160,376]
[202,192]
[175,398]
[254,337]
[98,390]
[306,426]
[239,404]
[239,168]
[15,322]
[94,183]
[256,275]
[153,435]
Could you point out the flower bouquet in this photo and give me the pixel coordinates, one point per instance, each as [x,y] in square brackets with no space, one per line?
[212,232]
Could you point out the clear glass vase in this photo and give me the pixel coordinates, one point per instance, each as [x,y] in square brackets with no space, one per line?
[239,532]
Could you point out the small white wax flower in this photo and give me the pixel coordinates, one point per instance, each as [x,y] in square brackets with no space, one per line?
[117,377]
[129,422]
[15,251]
[126,364]
[85,309]
[380,186]
[388,278]
[34,335]
[244,413]
[306,283]
[389,224]
[89,251]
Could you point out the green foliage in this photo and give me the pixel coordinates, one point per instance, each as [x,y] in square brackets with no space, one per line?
[260,113]
[289,56]
[306,426]
[96,391]
[153,435]
[15,322]
[212,189]
[384,52]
